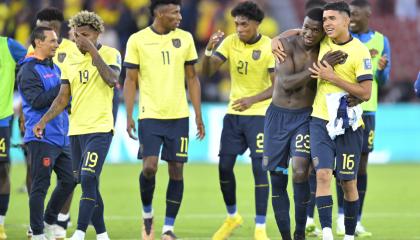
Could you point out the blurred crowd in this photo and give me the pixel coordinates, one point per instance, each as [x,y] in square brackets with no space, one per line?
[124,17]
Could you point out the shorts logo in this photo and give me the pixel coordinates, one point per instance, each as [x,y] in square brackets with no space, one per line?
[61,57]
[46,161]
[315,161]
[367,64]
[265,160]
[176,42]
[256,54]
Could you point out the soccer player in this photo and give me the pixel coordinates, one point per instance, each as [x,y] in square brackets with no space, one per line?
[353,76]
[39,84]
[286,128]
[159,58]
[380,52]
[251,67]
[11,53]
[53,18]
[89,82]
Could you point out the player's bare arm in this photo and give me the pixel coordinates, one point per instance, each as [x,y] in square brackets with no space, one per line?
[130,84]
[194,90]
[212,63]
[276,45]
[326,72]
[60,102]
[108,74]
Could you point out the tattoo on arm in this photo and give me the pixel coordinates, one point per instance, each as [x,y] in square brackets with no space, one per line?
[108,74]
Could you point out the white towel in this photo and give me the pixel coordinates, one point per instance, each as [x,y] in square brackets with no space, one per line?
[335,126]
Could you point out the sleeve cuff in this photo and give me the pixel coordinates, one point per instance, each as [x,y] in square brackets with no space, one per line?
[219,55]
[115,67]
[192,62]
[65,81]
[131,65]
[366,77]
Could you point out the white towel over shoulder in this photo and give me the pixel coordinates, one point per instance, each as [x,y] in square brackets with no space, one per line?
[335,126]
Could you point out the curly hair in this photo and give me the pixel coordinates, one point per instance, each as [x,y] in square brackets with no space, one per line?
[155,3]
[248,9]
[85,18]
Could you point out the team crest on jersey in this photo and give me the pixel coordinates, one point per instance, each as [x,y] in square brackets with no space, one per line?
[373,52]
[367,63]
[61,57]
[176,42]
[46,161]
[256,54]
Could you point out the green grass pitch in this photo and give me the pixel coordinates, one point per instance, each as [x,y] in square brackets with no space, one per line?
[392,209]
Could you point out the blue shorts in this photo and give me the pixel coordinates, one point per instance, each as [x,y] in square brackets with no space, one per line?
[171,133]
[286,134]
[89,152]
[341,154]
[240,133]
[368,133]
[5,144]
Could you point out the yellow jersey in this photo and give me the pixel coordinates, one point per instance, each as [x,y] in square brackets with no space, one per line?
[91,103]
[161,60]
[66,51]
[249,66]
[356,68]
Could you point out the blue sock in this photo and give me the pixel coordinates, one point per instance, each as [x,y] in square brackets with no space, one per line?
[351,210]
[4,203]
[340,197]
[262,188]
[147,188]
[231,209]
[312,185]
[361,188]
[259,219]
[174,195]
[87,201]
[227,179]
[325,204]
[169,221]
[98,214]
[301,197]
[280,202]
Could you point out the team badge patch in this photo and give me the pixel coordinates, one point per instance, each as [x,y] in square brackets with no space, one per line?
[367,63]
[373,52]
[256,54]
[176,42]
[315,161]
[61,57]
[265,161]
[46,161]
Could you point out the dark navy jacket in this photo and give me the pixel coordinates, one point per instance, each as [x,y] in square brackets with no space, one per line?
[39,84]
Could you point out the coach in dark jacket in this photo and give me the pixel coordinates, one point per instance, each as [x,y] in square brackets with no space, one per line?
[39,83]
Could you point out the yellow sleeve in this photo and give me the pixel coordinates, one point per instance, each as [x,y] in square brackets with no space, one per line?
[363,65]
[192,52]
[223,50]
[113,58]
[65,78]
[132,55]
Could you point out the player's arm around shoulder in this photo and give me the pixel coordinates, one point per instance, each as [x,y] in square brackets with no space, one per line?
[213,60]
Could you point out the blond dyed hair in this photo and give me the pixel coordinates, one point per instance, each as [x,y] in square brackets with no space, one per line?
[86,18]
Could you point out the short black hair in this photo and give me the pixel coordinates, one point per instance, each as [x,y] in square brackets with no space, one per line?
[340,6]
[50,14]
[155,3]
[38,33]
[314,4]
[360,3]
[248,9]
[315,14]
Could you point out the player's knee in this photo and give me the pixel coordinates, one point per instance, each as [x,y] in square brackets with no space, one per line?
[67,186]
[323,177]
[363,164]
[350,190]
[88,184]
[4,171]
[226,163]
[299,176]
[149,171]
[176,171]
[278,182]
